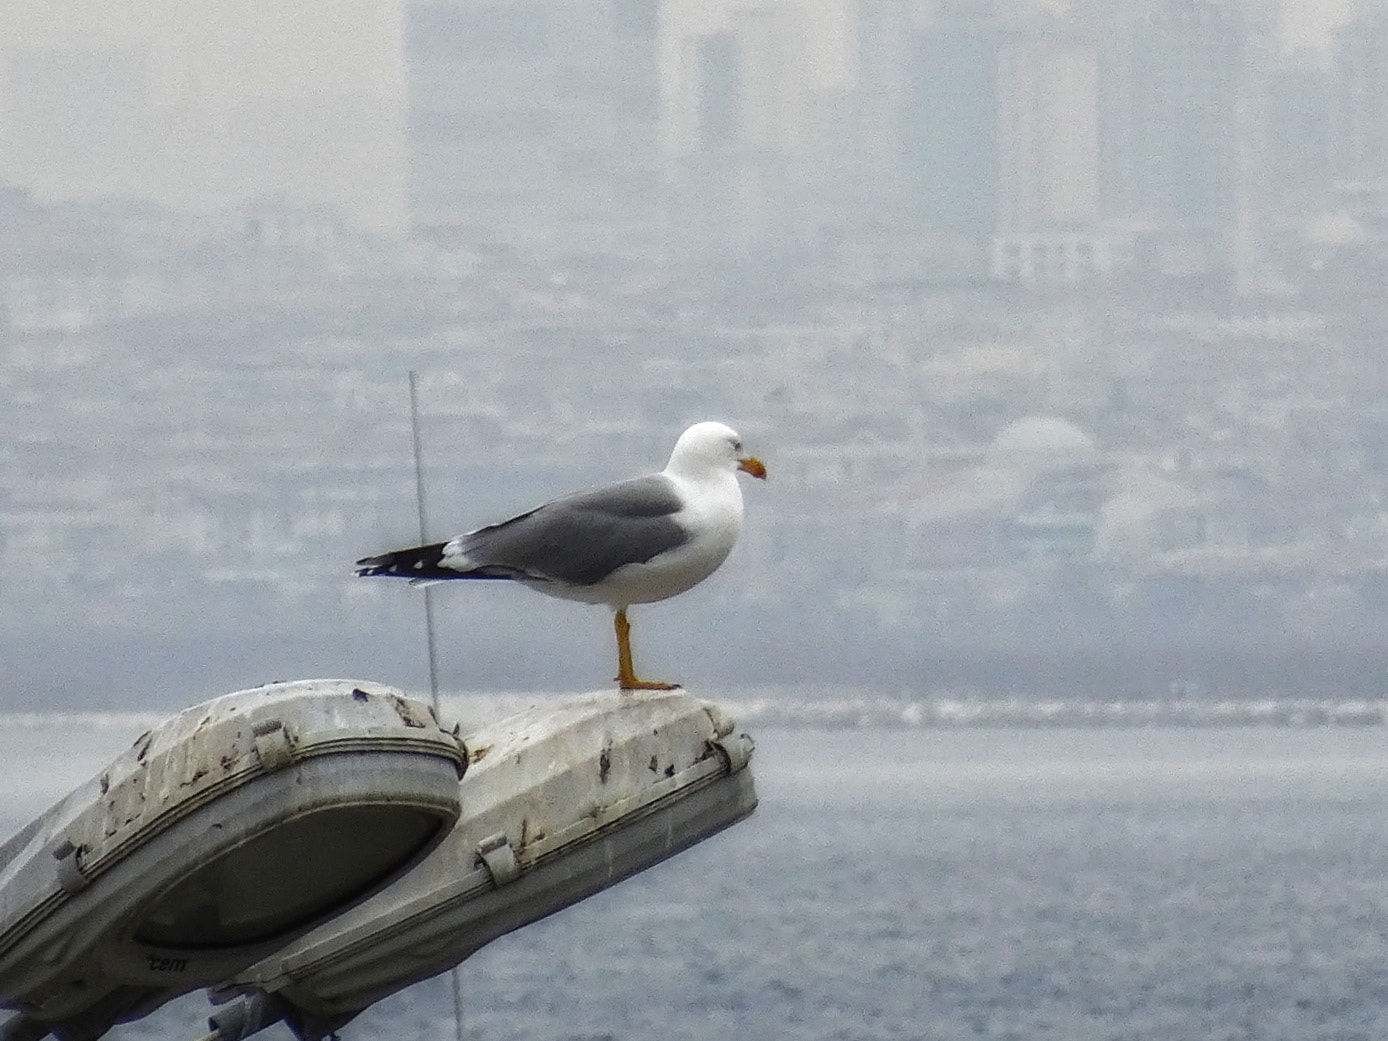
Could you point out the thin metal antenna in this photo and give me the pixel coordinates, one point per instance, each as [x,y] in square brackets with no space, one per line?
[457,975]
[424,538]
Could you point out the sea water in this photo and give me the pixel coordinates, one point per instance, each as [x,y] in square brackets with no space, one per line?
[1052,883]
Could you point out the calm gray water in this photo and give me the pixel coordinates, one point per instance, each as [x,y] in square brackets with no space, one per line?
[1020,884]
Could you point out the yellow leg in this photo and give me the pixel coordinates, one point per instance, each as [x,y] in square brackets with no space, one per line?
[626,675]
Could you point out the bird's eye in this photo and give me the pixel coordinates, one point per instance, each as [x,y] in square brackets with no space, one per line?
[737,446]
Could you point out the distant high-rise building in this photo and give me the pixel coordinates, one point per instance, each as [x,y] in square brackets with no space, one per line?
[1186,68]
[884,29]
[1048,219]
[738,130]
[1359,125]
[1048,129]
[534,121]
[718,92]
[950,123]
[1187,133]
[1299,114]
[633,102]
[775,86]
[705,141]
[1117,27]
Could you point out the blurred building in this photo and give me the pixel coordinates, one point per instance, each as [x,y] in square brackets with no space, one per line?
[717,91]
[950,131]
[884,35]
[535,121]
[1300,134]
[1195,152]
[1359,126]
[1048,226]
[739,131]
[1061,477]
[1186,70]
[704,136]
[1001,140]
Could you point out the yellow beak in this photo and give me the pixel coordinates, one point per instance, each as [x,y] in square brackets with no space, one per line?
[754,466]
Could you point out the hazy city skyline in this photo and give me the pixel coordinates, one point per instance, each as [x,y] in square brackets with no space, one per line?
[205,105]
[1074,325]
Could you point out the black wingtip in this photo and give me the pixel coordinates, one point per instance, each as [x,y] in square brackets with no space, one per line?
[425,564]
[368,566]
[415,562]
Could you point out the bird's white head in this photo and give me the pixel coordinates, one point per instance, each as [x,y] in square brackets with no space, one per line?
[711,447]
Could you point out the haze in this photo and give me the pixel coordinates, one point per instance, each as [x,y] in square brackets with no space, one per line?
[1059,326]
[210,102]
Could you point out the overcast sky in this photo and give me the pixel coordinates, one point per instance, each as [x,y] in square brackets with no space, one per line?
[282,46]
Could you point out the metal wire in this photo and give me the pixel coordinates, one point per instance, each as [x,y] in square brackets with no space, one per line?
[456,974]
[423,538]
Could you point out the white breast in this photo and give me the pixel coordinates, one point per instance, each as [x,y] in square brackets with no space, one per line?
[712,517]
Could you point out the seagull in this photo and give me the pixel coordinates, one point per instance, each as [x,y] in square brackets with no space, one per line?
[634,542]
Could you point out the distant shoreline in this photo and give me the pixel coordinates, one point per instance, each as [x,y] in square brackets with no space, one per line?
[846,711]
[952,713]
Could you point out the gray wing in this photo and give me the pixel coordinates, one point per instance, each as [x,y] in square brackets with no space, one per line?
[581,539]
